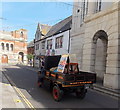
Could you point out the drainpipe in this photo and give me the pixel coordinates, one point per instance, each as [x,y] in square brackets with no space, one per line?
[69,43]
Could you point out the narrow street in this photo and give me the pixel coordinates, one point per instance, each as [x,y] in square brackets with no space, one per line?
[26,80]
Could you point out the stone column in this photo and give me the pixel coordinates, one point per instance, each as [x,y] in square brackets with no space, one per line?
[91,7]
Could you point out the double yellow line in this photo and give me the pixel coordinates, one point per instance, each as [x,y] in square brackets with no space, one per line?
[24,98]
[20,93]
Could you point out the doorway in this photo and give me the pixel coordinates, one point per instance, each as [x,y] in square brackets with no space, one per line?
[100,41]
[4,59]
[20,57]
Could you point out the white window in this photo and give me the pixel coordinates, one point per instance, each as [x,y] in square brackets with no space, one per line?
[49,44]
[21,34]
[43,45]
[84,9]
[98,7]
[7,47]
[59,42]
[11,46]
[2,46]
[37,46]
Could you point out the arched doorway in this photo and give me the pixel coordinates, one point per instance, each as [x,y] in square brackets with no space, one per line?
[4,58]
[100,41]
[20,57]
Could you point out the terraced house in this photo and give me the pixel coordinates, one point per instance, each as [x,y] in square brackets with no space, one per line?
[13,47]
[54,41]
[95,39]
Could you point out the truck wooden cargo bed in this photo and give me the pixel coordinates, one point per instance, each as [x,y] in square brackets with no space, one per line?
[70,79]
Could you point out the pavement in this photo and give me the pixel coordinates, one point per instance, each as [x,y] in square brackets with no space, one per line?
[10,99]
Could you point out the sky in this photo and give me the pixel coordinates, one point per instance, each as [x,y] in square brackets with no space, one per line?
[17,15]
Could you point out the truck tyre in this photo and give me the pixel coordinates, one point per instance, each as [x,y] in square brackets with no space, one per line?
[57,93]
[81,94]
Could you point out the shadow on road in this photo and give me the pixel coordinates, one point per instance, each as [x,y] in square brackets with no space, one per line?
[26,81]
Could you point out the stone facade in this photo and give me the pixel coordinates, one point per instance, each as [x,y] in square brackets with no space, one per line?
[13,46]
[98,43]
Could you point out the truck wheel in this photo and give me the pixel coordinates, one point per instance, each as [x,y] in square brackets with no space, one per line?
[57,93]
[81,94]
[39,84]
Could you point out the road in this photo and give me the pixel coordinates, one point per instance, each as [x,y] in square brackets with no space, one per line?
[25,79]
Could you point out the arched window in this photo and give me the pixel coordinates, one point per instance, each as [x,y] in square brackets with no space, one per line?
[2,46]
[98,5]
[21,34]
[84,9]
[7,47]
[11,46]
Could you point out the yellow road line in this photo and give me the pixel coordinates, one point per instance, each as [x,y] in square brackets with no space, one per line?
[20,93]
[24,98]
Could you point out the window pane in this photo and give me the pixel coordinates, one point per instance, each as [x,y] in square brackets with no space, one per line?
[2,46]
[7,46]
[11,47]
[59,42]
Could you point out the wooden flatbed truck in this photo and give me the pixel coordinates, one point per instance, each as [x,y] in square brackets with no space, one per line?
[68,81]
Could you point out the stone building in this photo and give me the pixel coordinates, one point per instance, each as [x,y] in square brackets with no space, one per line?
[13,46]
[30,53]
[95,39]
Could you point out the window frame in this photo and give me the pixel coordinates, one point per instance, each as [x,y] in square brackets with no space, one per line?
[11,46]
[59,42]
[3,46]
[49,44]
[21,34]
[7,47]
[43,44]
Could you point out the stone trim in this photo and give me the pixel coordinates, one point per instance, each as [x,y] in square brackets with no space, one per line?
[102,13]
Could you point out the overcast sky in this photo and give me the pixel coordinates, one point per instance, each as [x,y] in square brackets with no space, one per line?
[26,15]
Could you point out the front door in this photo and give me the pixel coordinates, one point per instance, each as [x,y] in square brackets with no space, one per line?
[4,59]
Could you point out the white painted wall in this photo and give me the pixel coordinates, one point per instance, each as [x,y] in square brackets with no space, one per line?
[37,52]
[64,49]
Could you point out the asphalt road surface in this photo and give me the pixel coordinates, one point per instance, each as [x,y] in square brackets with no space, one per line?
[26,80]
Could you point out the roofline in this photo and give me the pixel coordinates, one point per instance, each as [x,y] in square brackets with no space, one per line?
[52,35]
[29,46]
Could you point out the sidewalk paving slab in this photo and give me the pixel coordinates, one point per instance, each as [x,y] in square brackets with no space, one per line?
[10,99]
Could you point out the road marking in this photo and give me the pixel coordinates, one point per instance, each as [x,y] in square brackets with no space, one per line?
[7,84]
[20,93]
[24,98]
[17,100]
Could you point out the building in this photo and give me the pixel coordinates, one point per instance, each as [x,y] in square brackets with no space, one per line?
[95,39]
[13,46]
[39,45]
[30,53]
[30,48]
[58,38]
[56,41]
